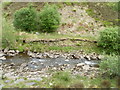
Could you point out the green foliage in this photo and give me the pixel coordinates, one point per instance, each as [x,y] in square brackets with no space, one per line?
[25,19]
[109,39]
[62,76]
[114,5]
[90,12]
[68,3]
[9,36]
[109,65]
[106,23]
[6,4]
[49,18]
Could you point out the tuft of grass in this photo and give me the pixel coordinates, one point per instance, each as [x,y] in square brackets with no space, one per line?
[61,48]
[90,12]
[107,23]
[77,85]
[105,84]
[6,4]
[61,79]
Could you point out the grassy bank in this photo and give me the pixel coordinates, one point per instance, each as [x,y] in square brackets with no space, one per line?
[64,79]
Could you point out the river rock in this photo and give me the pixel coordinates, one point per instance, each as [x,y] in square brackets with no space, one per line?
[2,58]
[11,54]
[45,55]
[1,54]
[86,67]
[54,68]
[1,85]
[12,64]
[24,65]
[74,56]
[67,60]
[87,57]
[11,51]
[30,83]
[7,81]
[17,51]
[31,54]
[93,57]
[6,50]
[99,57]
[80,64]
[19,80]
[96,66]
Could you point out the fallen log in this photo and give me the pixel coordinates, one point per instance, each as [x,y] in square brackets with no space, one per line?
[57,40]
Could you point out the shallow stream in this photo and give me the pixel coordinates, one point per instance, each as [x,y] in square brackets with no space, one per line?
[35,63]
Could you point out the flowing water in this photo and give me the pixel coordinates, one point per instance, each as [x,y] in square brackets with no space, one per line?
[42,63]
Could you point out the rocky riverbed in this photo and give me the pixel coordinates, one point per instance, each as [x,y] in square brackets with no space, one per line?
[51,54]
[34,66]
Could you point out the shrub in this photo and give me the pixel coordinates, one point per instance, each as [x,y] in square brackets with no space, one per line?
[109,65]
[49,18]
[109,39]
[25,19]
[115,6]
[9,36]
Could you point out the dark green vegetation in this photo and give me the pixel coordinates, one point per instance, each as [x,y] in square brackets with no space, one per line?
[109,39]
[9,36]
[28,19]
[25,19]
[114,6]
[48,20]
[109,65]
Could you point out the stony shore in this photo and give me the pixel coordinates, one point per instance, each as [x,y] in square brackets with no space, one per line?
[23,71]
[80,68]
[52,54]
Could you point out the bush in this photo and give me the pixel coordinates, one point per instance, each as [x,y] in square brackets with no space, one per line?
[49,19]
[9,36]
[114,5]
[109,65]
[108,39]
[25,19]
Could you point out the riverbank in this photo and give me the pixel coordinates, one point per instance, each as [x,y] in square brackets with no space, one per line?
[52,54]
[60,76]
[70,57]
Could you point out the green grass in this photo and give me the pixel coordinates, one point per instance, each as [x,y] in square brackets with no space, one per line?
[6,4]
[63,48]
[9,36]
[40,47]
[114,5]
[90,12]
[13,39]
[64,79]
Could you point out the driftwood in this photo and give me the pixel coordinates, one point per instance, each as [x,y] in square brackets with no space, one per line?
[57,40]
